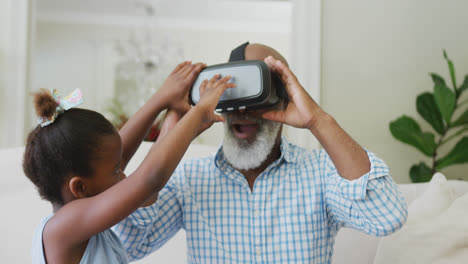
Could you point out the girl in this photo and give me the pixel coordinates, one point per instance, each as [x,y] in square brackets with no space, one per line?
[76,158]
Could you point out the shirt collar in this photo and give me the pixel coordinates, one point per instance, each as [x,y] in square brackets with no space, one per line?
[286,151]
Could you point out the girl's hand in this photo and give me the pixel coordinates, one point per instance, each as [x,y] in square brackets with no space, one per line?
[210,92]
[175,90]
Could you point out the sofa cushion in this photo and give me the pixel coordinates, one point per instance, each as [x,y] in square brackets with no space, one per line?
[436,230]
[438,196]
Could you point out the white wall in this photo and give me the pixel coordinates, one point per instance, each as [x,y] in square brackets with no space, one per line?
[15,28]
[376,57]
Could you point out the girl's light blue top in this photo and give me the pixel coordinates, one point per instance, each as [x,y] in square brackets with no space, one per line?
[102,248]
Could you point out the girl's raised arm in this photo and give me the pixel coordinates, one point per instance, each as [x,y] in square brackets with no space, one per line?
[173,94]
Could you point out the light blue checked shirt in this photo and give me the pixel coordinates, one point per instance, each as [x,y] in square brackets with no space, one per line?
[296,208]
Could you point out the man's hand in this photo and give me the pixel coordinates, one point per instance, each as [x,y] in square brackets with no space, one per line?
[175,90]
[349,157]
[302,111]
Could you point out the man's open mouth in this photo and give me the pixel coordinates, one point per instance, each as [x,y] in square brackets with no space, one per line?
[244,128]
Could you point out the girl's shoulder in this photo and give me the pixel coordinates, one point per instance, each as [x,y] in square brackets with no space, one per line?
[37,250]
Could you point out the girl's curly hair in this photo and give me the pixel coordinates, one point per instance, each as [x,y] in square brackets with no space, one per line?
[65,148]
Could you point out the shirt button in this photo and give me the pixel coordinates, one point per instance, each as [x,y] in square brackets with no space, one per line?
[257,213]
[258,250]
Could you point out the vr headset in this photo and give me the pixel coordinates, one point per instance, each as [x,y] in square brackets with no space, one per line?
[256,86]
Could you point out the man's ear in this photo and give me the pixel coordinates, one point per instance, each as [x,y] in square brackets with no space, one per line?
[78,187]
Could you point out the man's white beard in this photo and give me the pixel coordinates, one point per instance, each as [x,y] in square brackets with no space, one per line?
[244,154]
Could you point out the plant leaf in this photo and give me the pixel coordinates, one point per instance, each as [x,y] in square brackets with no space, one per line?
[445,100]
[408,131]
[427,108]
[437,79]
[420,173]
[452,71]
[464,85]
[463,119]
[459,154]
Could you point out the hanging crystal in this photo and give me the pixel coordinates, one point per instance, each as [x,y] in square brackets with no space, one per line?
[145,59]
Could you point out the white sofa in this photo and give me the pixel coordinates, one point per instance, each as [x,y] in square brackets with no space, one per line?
[22,209]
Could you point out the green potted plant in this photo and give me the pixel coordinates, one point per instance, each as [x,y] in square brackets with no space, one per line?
[448,117]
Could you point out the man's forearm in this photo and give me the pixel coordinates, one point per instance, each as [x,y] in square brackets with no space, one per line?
[349,157]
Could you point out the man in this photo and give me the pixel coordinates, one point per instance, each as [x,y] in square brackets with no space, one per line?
[261,199]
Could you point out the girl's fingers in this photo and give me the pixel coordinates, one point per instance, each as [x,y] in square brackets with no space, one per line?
[203,86]
[194,70]
[223,80]
[183,70]
[219,90]
[194,74]
[227,86]
[186,71]
[180,66]
[216,84]
[213,79]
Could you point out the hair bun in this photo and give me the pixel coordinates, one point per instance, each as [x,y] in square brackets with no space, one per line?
[44,103]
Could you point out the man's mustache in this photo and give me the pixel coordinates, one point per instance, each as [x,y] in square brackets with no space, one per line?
[235,117]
